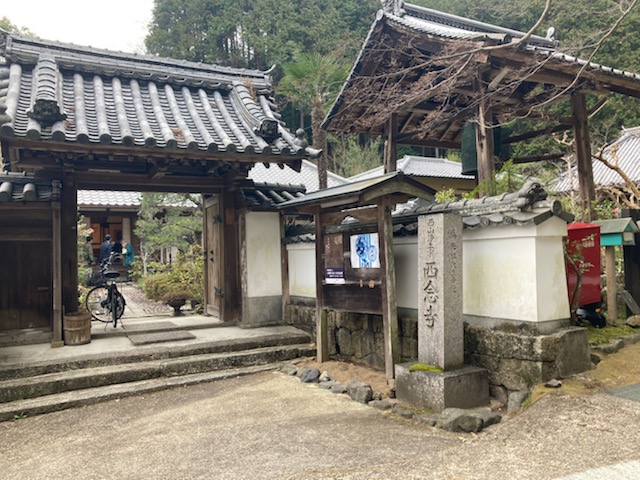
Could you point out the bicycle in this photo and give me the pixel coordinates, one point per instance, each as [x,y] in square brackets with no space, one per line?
[105,302]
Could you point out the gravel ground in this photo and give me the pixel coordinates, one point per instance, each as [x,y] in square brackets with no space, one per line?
[271,426]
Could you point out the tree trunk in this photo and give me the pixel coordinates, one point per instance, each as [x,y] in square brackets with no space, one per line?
[319,141]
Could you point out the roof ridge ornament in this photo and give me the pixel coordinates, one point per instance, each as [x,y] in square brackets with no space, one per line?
[394,7]
[46,109]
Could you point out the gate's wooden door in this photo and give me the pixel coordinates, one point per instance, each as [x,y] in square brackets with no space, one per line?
[214,250]
[25,296]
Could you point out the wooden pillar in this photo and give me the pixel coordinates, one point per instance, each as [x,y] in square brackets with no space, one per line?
[284,258]
[231,258]
[390,145]
[485,149]
[322,340]
[69,243]
[389,303]
[583,153]
[612,290]
[632,261]
[56,252]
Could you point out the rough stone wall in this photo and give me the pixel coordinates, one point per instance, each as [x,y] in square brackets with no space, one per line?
[517,359]
[356,337]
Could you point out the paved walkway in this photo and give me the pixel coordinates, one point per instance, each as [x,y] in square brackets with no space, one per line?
[139,314]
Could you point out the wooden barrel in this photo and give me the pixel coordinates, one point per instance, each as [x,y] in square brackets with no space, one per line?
[77,328]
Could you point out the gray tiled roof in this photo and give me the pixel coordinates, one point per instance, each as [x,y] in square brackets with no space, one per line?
[420,167]
[267,196]
[307,176]
[66,93]
[108,198]
[527,206]
[451,26]
[627,150]
[18,187]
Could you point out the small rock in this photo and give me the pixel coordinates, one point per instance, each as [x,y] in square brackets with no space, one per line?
[309,375]
[500,393]
[403,411]
[516,399]
[289,369]
[488,418]
[608,348]
[360,391]
[633,321]
[553,383]
[427,419]
[325,377]
[376,396]
[337,388]
[391,393]
[381,404]
[327,385]
[458,420]
[595,359]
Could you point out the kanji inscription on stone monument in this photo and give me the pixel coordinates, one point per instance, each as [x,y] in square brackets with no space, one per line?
[440,329]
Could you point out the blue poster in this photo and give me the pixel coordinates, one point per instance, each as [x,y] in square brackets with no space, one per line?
[365,251]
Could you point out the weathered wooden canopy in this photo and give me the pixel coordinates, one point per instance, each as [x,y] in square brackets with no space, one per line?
[340,285]
[422,75]
[431,69]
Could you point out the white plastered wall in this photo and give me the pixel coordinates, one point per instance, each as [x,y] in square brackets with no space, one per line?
[264,268]
[302,269]
[509,272]
[516,272]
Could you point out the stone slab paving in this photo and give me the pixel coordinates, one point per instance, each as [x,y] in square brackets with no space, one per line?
[630,392]
[147,326]
[159,337]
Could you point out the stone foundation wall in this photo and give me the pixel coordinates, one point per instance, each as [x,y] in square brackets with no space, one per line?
[516,358]
[356,337]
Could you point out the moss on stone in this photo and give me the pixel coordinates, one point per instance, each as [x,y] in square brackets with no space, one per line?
[421,367]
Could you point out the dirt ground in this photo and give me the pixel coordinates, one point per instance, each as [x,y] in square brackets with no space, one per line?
[345,373]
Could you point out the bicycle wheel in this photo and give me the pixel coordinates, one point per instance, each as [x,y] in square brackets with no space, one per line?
[117,308]
[98,304]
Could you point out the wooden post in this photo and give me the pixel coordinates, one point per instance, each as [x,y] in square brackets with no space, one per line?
[69,243]
[612,290]
[322,341]
[632,260]
[583,153]
[284,257]
[389,303]
[56,252]
[485,148]
[390,146]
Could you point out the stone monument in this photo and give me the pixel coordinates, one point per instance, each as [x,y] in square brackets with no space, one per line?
[440,379]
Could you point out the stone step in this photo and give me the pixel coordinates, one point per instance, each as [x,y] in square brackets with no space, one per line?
[149,353]
[61,401]
[89,377]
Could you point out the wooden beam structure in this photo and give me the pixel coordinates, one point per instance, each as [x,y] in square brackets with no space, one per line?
[583,153]
[355,268]
[322,334]
[389,297]
[484,142]
[390,145]
[56,259]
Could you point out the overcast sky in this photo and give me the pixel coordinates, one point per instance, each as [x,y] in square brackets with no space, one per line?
[112,24]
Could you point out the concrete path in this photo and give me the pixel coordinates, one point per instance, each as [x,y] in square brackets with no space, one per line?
[270,426]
